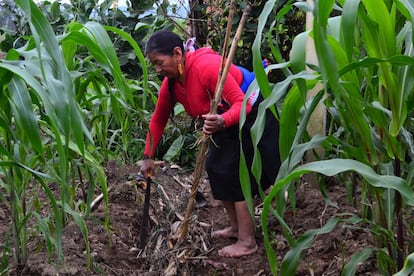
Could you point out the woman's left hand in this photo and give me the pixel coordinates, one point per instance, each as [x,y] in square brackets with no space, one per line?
[212,123]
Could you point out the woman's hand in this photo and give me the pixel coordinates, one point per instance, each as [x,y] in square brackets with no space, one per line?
[213,123]
[147,167]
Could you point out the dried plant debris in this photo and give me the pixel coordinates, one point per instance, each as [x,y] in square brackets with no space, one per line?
[167,213]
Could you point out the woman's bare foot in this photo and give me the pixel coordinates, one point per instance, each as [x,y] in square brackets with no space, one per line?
[228,232]
[237,249]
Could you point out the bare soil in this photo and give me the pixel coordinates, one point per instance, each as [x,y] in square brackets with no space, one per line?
[117,253]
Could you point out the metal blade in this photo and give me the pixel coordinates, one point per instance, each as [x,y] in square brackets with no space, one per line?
[145,216]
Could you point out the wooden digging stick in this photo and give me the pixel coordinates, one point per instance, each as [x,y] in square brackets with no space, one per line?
[202,153]
[227,38]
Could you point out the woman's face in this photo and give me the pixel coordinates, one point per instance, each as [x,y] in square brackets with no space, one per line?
[166,65]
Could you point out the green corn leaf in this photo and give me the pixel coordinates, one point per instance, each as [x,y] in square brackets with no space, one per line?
[297,152]
[83,38]
[366,62]
[23,112]
[369,36]
[385,20]
[298,52]
[290,113]
[289,116]
[400,90]
[291,259]
[278,93]
[139,55]
[324,10]
[257,57]
[349,16]
[42,223]
[326,58]
[245,182]
[97,45]
[408,267]
[244,174]
[84,230]
[342,61]
[18,164]
[345,95]
[330,168]
[257,129]
[335,166]
[37,88]
[383,261]
[69,49]
[357,258]
[298,59]
[282,10]
[31,81]
[305,120]
[57,215]
[380,41]
[291,151]
[102,39]
[64,112]
[42,31]
[305,6]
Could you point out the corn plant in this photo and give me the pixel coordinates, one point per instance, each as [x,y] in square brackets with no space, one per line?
[113,105]
[365,57]
[58,104]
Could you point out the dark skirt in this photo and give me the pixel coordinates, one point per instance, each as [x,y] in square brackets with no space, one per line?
[223,157]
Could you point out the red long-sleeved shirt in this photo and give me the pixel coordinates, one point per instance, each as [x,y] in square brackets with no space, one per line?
[201,76]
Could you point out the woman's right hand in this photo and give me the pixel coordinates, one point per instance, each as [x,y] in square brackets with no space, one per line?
[147,167]
[213,123]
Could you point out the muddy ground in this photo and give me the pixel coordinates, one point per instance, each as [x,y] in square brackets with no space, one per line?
[118,252]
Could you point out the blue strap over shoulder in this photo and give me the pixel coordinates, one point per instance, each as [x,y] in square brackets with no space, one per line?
[248,78]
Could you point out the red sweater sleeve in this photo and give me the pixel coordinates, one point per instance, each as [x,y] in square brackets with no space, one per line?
[159,119]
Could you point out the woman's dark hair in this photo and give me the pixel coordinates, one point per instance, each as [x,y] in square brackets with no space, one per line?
[163,42]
